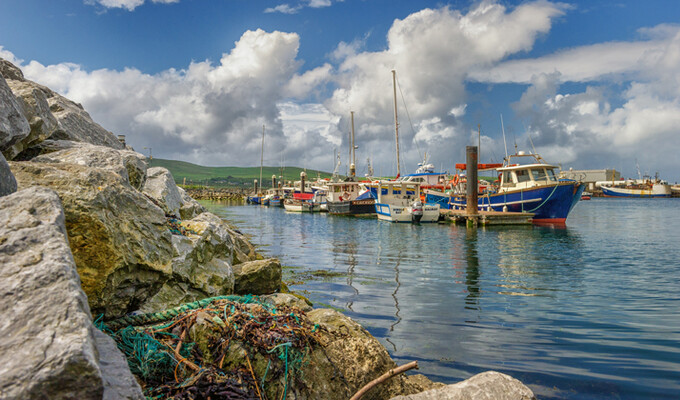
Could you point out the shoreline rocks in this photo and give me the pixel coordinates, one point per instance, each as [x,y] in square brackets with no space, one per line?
[87,228]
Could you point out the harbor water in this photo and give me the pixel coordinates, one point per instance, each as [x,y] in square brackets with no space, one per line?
[586,311]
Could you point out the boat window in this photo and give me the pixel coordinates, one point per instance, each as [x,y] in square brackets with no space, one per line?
[507,178]
[522,175]
[551,174]
[538,174]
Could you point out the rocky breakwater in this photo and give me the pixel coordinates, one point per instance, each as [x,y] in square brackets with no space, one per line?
[87,229]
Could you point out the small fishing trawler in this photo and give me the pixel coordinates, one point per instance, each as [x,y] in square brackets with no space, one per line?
[400,202]
[645,187]
[528,184]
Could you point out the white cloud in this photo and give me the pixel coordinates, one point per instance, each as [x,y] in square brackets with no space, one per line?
[213,114]
[129,5]
[433,51]
[288,9]
[300,86]
[207,114]
[319,3]
[283,9]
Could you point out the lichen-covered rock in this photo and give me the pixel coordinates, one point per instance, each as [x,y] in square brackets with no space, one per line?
[13,124]
[8,184]
[72,121]
[189,208]
[130,165]
[199,269]
[47,344]
[288,300]
[488,385]
[160,186]
[119,239]
[351,357]
[33,103]
[10,71]
[257,277]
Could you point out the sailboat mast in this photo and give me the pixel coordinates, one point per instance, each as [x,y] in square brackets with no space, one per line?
[352,151]
[396,122]
[262,156]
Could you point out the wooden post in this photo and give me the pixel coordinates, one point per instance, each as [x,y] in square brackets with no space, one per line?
[471,195]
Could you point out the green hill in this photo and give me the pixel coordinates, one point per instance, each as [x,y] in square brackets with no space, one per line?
[228,176]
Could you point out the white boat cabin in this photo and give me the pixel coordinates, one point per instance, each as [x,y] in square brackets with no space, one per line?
[515,176]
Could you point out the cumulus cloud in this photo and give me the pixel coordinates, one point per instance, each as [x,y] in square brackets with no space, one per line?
[585,129]
[213,113]
[207,114]
[433,51]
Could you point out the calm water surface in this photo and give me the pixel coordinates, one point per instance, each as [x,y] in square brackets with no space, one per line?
[590,311]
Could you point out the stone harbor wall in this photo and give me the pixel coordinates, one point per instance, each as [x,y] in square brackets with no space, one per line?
[90,237]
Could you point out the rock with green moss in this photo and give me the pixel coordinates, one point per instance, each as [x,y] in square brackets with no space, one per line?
[257,277]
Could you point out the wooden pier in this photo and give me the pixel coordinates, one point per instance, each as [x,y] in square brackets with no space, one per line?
[485,218]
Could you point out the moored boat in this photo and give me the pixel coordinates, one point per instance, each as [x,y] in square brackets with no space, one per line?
[646,189]
[529,184]
[586,195]
[400,202]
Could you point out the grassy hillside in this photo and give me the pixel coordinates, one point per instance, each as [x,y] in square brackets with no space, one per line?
[228,176]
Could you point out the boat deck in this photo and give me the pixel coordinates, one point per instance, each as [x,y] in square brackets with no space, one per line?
[488,217]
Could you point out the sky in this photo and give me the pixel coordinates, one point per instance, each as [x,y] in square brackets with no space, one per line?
[587,84]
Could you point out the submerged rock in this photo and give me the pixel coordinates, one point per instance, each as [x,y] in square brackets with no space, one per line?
[48,347]
[488,385]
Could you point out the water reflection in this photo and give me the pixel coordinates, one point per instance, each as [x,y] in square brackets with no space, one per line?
[570,309]
[471,270]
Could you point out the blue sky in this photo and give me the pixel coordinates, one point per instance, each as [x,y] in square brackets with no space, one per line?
[596,84]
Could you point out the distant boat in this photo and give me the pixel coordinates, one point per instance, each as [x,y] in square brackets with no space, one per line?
[345,198]
[302,202]
[647,189]
[586,195]
[529,184]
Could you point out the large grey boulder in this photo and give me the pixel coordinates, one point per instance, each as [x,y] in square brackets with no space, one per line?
[8,184]
[160,186]
[120,240]
[13,124]
[200,268]
[218,231]
[488,385]
[47,344]
[34,106]
[51,116]
[257,277]
[130,165]
[189,208]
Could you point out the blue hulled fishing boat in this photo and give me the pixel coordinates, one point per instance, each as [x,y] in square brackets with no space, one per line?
[528,184]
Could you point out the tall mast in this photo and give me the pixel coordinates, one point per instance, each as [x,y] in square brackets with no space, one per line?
[262,156]
[352,151]
[396,122]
